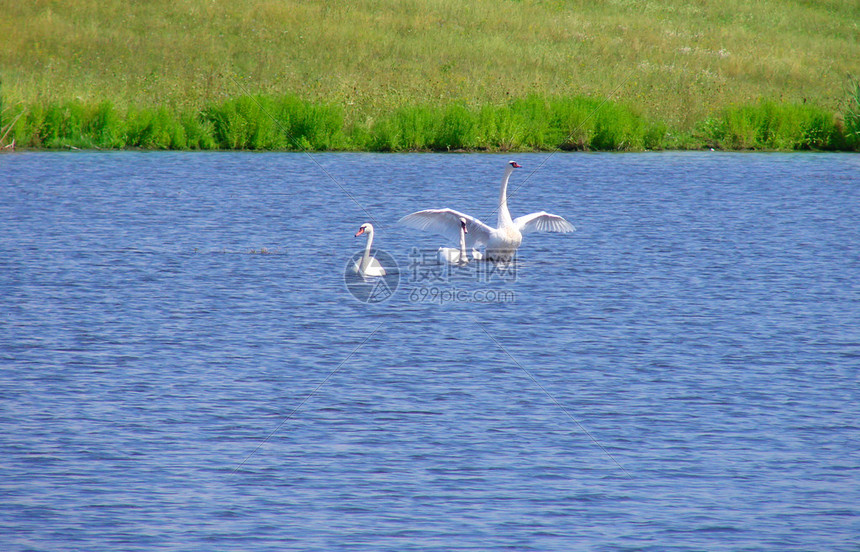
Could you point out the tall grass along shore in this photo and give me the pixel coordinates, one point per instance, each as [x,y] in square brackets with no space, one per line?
[395,75]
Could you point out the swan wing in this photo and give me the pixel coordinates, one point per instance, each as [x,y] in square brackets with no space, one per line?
[374,268]
[375,271]
[446,222]
[448,255]
[542,222]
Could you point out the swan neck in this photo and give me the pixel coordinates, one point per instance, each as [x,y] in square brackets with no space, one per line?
[504,214]
[365,261]
[463,257]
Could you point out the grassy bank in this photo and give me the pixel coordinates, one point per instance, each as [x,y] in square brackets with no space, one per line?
[707,73]
[530,124]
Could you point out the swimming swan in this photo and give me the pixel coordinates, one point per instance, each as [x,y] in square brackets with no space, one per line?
[456,256]
[368,266]
[501,242]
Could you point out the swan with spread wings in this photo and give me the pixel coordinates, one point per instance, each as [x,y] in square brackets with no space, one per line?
[501,242]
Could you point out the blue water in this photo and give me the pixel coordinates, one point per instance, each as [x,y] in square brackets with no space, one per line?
[184,366]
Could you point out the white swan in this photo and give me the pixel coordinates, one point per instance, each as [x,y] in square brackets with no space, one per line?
[456,256]
[367,266]
[501,242]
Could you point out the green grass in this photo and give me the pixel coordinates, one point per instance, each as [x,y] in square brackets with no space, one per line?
[530,124]
[431,74]
[851,121]
[770,126]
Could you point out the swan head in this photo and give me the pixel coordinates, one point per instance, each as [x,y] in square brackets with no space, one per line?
[463,225]
[514,165]
[364,228]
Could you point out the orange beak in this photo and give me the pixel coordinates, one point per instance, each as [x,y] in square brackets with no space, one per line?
[360,232]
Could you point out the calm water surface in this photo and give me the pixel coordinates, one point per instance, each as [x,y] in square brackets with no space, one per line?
[185,368]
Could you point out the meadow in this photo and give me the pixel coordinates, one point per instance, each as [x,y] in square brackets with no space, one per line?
[430,75]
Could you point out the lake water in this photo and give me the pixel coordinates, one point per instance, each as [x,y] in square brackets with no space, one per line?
[186,367]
